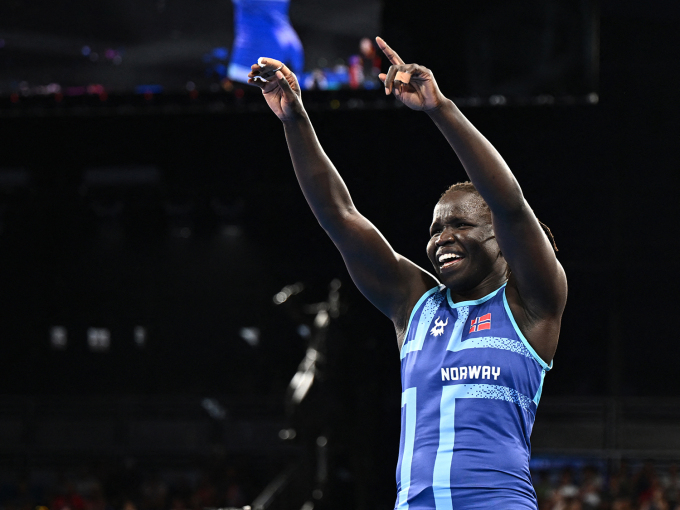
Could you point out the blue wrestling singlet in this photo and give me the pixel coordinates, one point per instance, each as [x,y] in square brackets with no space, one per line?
[262,29]
[471,384]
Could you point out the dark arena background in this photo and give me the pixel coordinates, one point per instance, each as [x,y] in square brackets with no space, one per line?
[177,330]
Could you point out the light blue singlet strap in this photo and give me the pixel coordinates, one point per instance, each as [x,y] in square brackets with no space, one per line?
[522,337]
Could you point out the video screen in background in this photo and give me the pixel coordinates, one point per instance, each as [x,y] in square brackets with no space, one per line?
[180,46]
[489,50]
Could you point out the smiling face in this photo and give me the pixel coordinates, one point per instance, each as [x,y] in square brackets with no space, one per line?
[462,246]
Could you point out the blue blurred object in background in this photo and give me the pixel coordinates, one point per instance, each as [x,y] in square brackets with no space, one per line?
[262,29]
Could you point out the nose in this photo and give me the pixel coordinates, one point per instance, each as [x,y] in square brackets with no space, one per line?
[447,236]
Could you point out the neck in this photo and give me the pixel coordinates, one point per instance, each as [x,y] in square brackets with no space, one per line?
[484,288]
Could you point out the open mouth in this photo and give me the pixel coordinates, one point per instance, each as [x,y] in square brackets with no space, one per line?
[449,260]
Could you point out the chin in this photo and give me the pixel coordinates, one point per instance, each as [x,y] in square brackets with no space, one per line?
[452,281]
[462,281]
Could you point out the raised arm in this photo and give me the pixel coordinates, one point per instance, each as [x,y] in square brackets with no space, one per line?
[391,282]
[537,288]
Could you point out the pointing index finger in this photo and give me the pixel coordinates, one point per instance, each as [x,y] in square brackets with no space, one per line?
[389,52]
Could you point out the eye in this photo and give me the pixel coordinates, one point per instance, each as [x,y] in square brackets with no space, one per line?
[435,232]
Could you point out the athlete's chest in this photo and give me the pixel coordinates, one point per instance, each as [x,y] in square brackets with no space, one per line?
[465,344]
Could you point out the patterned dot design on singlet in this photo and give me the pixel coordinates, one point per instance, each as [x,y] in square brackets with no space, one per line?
[494,342]
[463,313]
[490,391]
[431,307]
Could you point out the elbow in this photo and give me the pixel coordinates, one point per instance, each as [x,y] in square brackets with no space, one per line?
[508,201]
[511,207]
[333,219]
[518,207]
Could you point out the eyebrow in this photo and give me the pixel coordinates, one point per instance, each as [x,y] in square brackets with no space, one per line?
[453,219]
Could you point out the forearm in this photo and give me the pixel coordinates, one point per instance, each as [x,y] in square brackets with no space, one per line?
[321,184]
[484,165]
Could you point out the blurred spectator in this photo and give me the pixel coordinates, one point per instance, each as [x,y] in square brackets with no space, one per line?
[567,492]
[178,503]
[316,80]
[591,488]
[671,486]
[619,484]
[656,502]
[370,57]
[234,495]
[622,504]
[544,489]
[128,505]
[181,492]
[96,500]
[68,498]
[86,484]
[205,495]
[154,494]
[644,483]
[365,67]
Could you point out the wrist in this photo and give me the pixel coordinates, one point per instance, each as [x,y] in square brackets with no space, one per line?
[443,107]
[297,115]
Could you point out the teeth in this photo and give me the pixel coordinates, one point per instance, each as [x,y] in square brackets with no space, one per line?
[448,256]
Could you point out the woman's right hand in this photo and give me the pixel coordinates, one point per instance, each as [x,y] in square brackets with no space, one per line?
[281,90]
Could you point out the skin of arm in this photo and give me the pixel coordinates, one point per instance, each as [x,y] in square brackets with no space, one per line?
[391,282]
[537,288]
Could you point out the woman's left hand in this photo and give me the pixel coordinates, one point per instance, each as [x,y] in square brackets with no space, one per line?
[412,84]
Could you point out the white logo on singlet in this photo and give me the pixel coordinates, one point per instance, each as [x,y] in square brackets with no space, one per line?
[438,328]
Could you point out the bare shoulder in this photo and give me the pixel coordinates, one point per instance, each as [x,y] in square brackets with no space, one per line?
[541,331]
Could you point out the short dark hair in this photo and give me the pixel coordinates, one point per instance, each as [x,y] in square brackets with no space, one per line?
[468,187]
